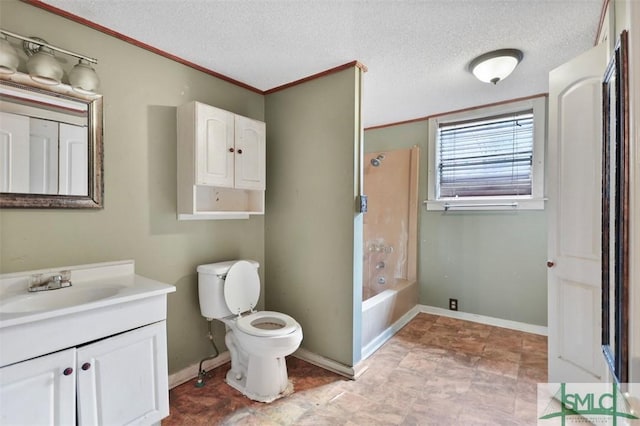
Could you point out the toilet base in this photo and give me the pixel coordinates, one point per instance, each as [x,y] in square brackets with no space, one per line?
[265,381]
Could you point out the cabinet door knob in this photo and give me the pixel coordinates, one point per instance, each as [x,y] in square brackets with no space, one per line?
[86,366]
[67,371]
[239,151]
[550,264]
[230,149]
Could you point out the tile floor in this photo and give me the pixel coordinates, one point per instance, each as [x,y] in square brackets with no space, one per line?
[435,371]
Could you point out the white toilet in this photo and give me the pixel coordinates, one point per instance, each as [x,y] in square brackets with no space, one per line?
[257,341]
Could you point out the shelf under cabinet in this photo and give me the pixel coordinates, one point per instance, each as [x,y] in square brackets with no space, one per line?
[212,202]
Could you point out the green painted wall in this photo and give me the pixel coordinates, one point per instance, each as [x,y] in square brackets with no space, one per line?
[308,264]
[141,92]
[492,262]
[310,222]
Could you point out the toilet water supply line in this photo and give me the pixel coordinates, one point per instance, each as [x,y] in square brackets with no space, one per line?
[201,371]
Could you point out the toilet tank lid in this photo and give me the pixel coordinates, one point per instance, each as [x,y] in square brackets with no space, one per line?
[221,268]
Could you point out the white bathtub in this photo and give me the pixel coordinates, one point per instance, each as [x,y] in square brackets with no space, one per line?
[385,313]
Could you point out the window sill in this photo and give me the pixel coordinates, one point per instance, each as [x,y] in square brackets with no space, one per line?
[485,204]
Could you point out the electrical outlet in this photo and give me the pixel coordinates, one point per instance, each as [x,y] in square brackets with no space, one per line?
[453,304]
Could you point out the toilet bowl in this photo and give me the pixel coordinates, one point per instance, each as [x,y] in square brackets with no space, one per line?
[258,341]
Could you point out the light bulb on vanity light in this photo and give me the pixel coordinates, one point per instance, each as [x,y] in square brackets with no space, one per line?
[83,78]
[8,56]
[44,68]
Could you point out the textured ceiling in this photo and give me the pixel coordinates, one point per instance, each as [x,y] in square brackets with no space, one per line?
[416,52]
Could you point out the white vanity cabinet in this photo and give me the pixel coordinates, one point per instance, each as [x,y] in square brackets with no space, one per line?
[119,380]
[221,163]
[94,353]
[40,391]
[123,379]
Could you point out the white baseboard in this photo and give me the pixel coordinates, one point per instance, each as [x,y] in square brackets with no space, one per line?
[191,372]
[380,340]
[498,322]
[354,372]
[331,365]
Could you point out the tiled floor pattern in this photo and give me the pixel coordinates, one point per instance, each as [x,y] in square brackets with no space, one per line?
[435,371]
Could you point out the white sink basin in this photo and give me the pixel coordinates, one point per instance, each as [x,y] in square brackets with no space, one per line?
[57,299]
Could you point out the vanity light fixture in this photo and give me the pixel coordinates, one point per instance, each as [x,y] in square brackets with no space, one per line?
[494,66]
[43,66]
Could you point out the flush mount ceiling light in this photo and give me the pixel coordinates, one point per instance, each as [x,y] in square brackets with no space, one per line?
[43,66]
[494,66]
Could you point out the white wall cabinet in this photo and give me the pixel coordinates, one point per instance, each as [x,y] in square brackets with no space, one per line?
[221,163]
[250,158]
[119,380]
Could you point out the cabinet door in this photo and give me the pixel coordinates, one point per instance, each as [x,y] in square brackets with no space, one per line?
[250,158]
[214,146]
[123,380]
[38,392]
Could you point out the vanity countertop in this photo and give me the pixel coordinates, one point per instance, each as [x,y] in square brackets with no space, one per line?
[104,299]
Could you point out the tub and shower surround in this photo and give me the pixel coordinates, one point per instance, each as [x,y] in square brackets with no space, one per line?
[390,289]
[390,225]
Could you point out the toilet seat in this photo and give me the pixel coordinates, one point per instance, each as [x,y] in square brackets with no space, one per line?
[242,287]
[267,324]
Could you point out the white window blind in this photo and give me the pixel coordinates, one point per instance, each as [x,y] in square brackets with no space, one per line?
[487,157]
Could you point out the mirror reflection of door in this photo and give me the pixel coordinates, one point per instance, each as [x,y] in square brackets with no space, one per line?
[44,148]
[43,157]
[73,178]
[14,149]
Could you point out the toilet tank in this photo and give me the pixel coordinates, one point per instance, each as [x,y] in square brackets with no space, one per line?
[211,288]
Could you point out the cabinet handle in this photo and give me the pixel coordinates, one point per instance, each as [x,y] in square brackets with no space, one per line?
[230,149]
[86,366]
[67,371]
[550,264]
[239,151]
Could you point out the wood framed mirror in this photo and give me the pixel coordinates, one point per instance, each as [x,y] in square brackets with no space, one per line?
[51,150]
[615,213]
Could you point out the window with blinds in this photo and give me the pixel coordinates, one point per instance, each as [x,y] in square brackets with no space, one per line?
[488,157]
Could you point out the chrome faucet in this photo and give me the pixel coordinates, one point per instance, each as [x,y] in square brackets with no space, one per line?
[54,282]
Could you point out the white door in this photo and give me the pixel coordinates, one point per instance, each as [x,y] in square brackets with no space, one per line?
[14,153]
[214,146]
[41,391]
[250,158]
[74,157]
[574,283]
[43,156]
[123,380]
